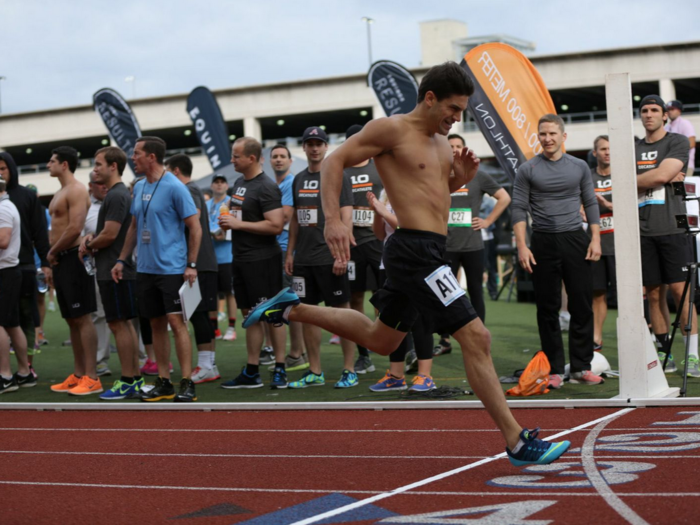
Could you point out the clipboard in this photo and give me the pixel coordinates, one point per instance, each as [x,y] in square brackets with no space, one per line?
[190,297]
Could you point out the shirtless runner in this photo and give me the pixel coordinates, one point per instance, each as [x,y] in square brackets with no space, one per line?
[75,288]
[415,163]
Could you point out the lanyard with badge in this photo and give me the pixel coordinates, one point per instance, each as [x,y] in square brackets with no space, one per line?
[146,233]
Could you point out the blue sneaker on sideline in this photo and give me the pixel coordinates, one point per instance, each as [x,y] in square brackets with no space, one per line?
[388,383]
[273,310]
[535,451]
[279,379]
[120,390]
[243,380]
[347,380]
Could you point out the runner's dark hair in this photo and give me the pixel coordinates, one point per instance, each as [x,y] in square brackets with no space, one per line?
[66,154]
[155,146]
[182,162]
[281,146]
[113,155]
[458,137]
[446,80]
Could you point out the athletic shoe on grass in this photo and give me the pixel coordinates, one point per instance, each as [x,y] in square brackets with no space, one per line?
[150,368]
[292,364]
[186,393]
[230,334]
[670,366]
[70,382]
[275,310]
[267,356]
[422,383]
[535,451]
[443,347]
[162,390]
[586,378]
[556,381]
[25,381]
[309,379]
[279,379]
[205,375]
[217,334]
[8,385]
[120,390]
[693,366]
[334,340]
[597,347]
[86,386]
[347,380]
[136,392]
[364,364]
[411,362]
[388,383]
[103,370]
[243,380]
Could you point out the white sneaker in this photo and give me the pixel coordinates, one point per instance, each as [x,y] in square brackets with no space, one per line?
[230,334]
[564,321]
[52,306]
[103,370]
[205,375]
[221,317]
[335,340]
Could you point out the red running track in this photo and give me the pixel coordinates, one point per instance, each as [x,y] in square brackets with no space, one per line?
[264,468]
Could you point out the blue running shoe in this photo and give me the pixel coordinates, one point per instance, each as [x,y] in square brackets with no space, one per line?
[243,380]
[273,310]
[347,380]
[120,390]
[388,383]
[535,451]
[309,379]
[422,383]
[279,379]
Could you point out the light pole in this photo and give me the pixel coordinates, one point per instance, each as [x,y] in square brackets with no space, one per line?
[369,21]
[132,79]
[1,79]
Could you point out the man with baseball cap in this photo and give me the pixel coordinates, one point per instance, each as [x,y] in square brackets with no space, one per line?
[677,124]
[662,158]
[317,276]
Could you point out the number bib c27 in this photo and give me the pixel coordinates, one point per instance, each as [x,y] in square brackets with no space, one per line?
[362,217]
[460,218]
[307,216]
[299,286]
[444,285]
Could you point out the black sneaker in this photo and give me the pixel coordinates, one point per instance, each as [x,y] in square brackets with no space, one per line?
[243,380]
[8,385]
[25,382]
[442,348]
[267,356]
[162,389]
[186,393]
[411,362]
[279,379]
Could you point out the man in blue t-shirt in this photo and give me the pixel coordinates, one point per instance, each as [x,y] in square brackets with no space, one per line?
[281,161]
[222,249]
[161,209]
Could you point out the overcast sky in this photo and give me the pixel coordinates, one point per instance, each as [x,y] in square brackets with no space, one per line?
[56,54]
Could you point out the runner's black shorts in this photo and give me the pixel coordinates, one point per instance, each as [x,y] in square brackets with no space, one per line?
[119,300]
[75,288]
[317,284]
[10,290]
[366,259]
[208,287]
[420,282]
[256,281]
[664,257]
[224,279]
[604,277]
[158,295]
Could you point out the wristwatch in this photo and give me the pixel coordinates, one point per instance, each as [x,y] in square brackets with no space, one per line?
[192,265]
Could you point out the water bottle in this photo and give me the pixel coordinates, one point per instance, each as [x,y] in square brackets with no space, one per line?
[89,263]
[223,209]
[41,285]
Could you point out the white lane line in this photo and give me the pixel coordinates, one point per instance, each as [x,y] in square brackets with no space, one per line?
[598,481]
[313,431]
[405,488]
[298,456]
[539,493]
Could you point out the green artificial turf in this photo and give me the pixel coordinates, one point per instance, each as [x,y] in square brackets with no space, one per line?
[515,341]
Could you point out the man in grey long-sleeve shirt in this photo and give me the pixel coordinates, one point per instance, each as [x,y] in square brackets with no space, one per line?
[552,186]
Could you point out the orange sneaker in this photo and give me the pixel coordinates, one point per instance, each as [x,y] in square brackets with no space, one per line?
[86,387]
[70,382]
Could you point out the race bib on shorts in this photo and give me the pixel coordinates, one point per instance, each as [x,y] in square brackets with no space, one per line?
[307,216]
[652,196]
[444,285]
[351,270]
[606,224]
[362,217]
[460,218]
[299,286]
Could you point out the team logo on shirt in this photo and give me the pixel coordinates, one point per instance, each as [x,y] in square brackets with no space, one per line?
[239,194]
[650,155]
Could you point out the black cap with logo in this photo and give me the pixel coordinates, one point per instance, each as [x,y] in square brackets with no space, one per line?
[218,176]
[314,133]
[675,104]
